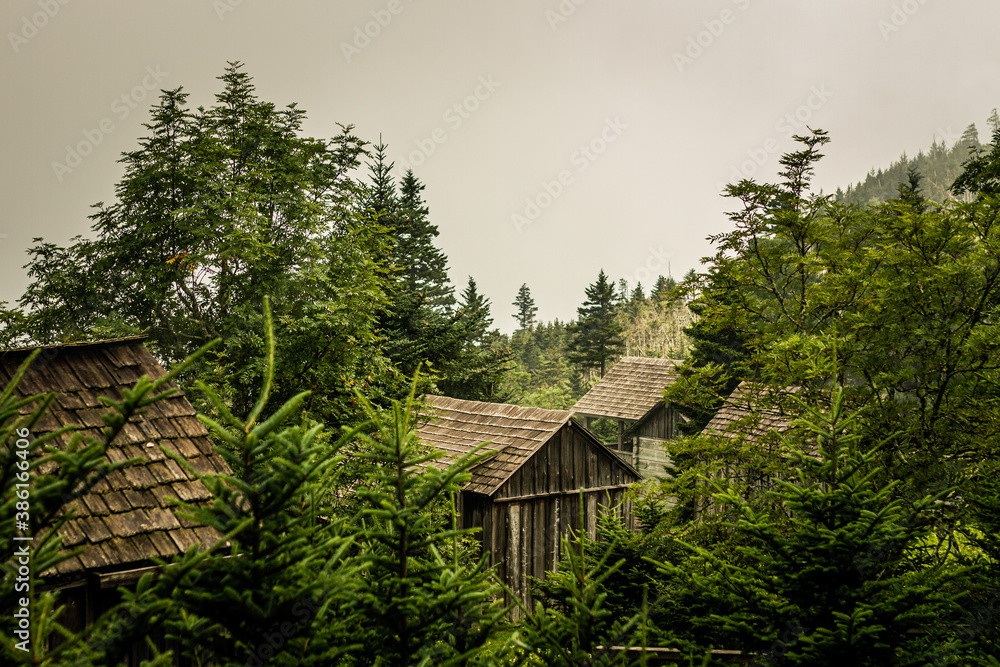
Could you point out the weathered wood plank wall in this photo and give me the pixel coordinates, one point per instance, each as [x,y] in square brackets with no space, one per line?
[523,537]
[648,453]
[661,424]
[542,502]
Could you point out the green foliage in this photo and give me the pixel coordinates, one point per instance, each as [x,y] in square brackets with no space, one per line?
[619,555]
[526,308]
[371,588]
[542,377]
[420,324]
[579,622]
[288,582]
[479,371]
[418,607]
[423,266]
[37,483]
[285,561]
[902,297]
[663,288]
[834,573]
[636,299]
[981,173]
[217,208]
[597,334]
[719,357]
[894,302]
[939,167]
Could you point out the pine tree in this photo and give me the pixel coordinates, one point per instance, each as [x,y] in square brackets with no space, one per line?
[294,580]
[423,267]
[420,325]
[580,624]
[623,291]
[597,334]
[663,288]
[981,175]
[285,560]
[827,578]
[416,605]
[380,199]
[970,138]
[526,309]
[217,208]
[636,300]
[474,309]
[479,371]
[719,358]
[909,192]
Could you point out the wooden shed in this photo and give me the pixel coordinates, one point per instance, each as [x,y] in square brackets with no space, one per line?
[752,412]
[632,395]
[546,475]
[126,519]
[753,415]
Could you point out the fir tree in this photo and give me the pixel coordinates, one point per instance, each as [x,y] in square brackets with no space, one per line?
[597,334]
[380,199]
[283,561]
[982,170]
[422,266]
[636,301]
[474,310]
[293,580]
[719,358]
[834,584]
[663,288]
[479,371]
[420,324]
[970,138]
[526,309]
[623,291]
[416,605]
[218,207]
[574,630]
[909,192]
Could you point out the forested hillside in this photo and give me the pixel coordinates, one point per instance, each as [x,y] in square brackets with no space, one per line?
[556,362]
[303,305]
[938,169]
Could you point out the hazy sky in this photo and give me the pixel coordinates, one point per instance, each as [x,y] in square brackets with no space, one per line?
[554,138]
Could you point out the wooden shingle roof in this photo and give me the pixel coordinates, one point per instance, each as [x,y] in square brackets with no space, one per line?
[632,388]
[126,518]
[514,433]
[742,415]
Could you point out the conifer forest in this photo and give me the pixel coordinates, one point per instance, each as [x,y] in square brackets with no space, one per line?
[292,290]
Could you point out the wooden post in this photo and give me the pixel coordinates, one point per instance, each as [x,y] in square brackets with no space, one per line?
[620,432]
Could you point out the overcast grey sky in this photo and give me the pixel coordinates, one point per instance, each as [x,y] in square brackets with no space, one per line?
[555,137]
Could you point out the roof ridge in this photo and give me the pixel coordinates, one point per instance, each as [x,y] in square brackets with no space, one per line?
[80,344]
[517,432]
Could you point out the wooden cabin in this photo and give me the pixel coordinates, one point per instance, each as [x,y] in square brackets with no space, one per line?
[545,476]
[126,519]
[631,394]
[752,414]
